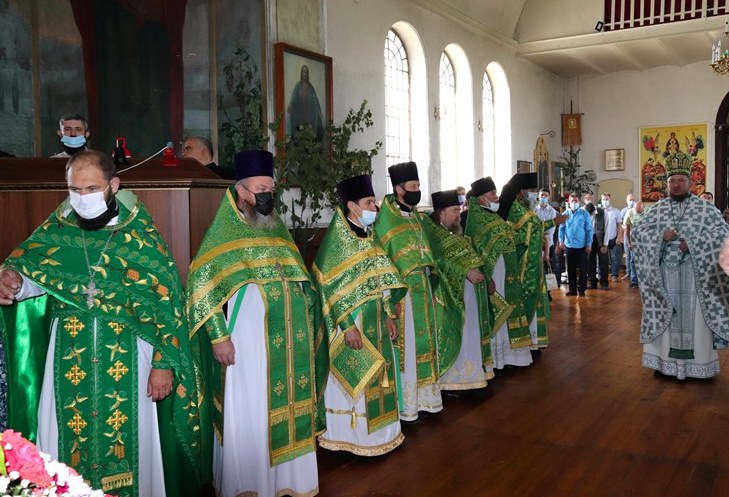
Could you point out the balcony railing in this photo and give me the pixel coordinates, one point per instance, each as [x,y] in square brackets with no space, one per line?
[625,14]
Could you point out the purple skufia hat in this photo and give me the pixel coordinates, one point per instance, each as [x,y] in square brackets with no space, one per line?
[250,163]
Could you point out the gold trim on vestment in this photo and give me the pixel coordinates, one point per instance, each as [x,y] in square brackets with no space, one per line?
[257,263]
[240,243]
[411,225]
[375,450]
[463,386]
[346,264]
[349,288]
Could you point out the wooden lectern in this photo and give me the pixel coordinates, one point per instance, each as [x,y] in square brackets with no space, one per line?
[182,200]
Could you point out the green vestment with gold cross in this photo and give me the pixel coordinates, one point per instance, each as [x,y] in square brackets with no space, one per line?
[454,256]
[234,254]
[356,279]
[405,243]
[529,241]
[129,289]
[492,238]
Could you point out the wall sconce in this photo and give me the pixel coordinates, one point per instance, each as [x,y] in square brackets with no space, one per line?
[436,113]
[480,126]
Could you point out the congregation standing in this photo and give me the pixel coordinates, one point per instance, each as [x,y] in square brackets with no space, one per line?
[258,359]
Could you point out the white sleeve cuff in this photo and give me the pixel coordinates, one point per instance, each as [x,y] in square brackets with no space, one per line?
[28,289]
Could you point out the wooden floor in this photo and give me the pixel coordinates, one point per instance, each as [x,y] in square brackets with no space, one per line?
[584,420]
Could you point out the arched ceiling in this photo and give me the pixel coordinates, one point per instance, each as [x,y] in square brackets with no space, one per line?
[560,35]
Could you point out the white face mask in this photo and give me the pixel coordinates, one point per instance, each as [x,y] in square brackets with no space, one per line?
[367,217]
[574,205]
[89,206]
[631,204]
[461,199]
[493,206]
[606,203]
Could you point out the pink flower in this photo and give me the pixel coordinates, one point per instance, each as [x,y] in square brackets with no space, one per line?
[23,457]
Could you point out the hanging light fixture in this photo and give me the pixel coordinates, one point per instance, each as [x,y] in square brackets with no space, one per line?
[720,54]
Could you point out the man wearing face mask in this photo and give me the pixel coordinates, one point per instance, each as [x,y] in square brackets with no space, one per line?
[575,237]
[463,343]
[613,232]
[360,288]
[546,213]
[598,260]
[250,294]
[629,262]
[493,239]
[399,229]
[529,241]
[98,274]
[73,130]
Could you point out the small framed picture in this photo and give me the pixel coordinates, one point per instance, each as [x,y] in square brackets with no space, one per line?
[615,159]
[523,166]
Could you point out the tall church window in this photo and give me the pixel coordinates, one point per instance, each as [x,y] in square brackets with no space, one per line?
[397,101]
[447,120]
[487,126]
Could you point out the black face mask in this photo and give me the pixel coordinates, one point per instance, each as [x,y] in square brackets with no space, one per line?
[264,203]
[590,208]
[102,219]
[411,198]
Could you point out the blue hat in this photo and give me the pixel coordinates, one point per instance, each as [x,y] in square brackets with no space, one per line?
[355,188]
[250,163]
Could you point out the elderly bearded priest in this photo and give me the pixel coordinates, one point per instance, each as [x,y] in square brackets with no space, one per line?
[685,304]
[249,292]
[99,275]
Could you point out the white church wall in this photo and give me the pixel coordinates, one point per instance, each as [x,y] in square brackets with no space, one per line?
[356,33]
[616,105]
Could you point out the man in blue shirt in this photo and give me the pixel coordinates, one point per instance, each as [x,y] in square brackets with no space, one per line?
[576,238]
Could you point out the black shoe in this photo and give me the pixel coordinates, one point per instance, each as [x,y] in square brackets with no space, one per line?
[592,286]
[633,285]
[572,294]
[604,287]
[582,294]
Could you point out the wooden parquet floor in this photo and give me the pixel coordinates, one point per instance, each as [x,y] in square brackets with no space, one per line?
[586,419]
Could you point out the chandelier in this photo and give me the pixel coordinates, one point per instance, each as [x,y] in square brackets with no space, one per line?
[720,55]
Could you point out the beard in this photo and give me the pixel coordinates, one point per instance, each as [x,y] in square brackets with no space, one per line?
[455,228]
[680,198]
[258,220]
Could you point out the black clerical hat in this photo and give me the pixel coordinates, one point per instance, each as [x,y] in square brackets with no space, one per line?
[481,186]
[250,163]
[446,198]
[355,188]
[405,171]
[524,181]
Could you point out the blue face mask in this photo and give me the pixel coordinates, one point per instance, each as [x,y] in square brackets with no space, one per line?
[367,217]
[532,196]
[73,141]
[543,200]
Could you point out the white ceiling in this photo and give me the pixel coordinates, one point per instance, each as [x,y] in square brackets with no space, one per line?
[559,50]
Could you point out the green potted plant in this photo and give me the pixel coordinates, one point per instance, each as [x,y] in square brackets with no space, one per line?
[310,171]
[246,130]
[573,179]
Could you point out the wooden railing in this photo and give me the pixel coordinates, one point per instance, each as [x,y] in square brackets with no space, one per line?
[625,14]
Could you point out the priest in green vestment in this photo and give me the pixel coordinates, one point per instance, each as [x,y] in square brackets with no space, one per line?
[493,239]
[98,345]
[399,229]
[359,287]
[250,295]
[528,239]
[682,286]
[464,342]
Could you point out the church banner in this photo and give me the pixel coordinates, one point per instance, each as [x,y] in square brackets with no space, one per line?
[657,143]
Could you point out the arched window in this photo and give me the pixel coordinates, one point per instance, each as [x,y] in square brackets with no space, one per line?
[447,122]
[397,100]
[487,127]
[502,169]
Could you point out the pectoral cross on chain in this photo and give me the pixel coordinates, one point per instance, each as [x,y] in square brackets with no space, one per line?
[90,293]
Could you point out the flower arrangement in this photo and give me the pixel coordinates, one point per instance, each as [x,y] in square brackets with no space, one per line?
[25,471]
